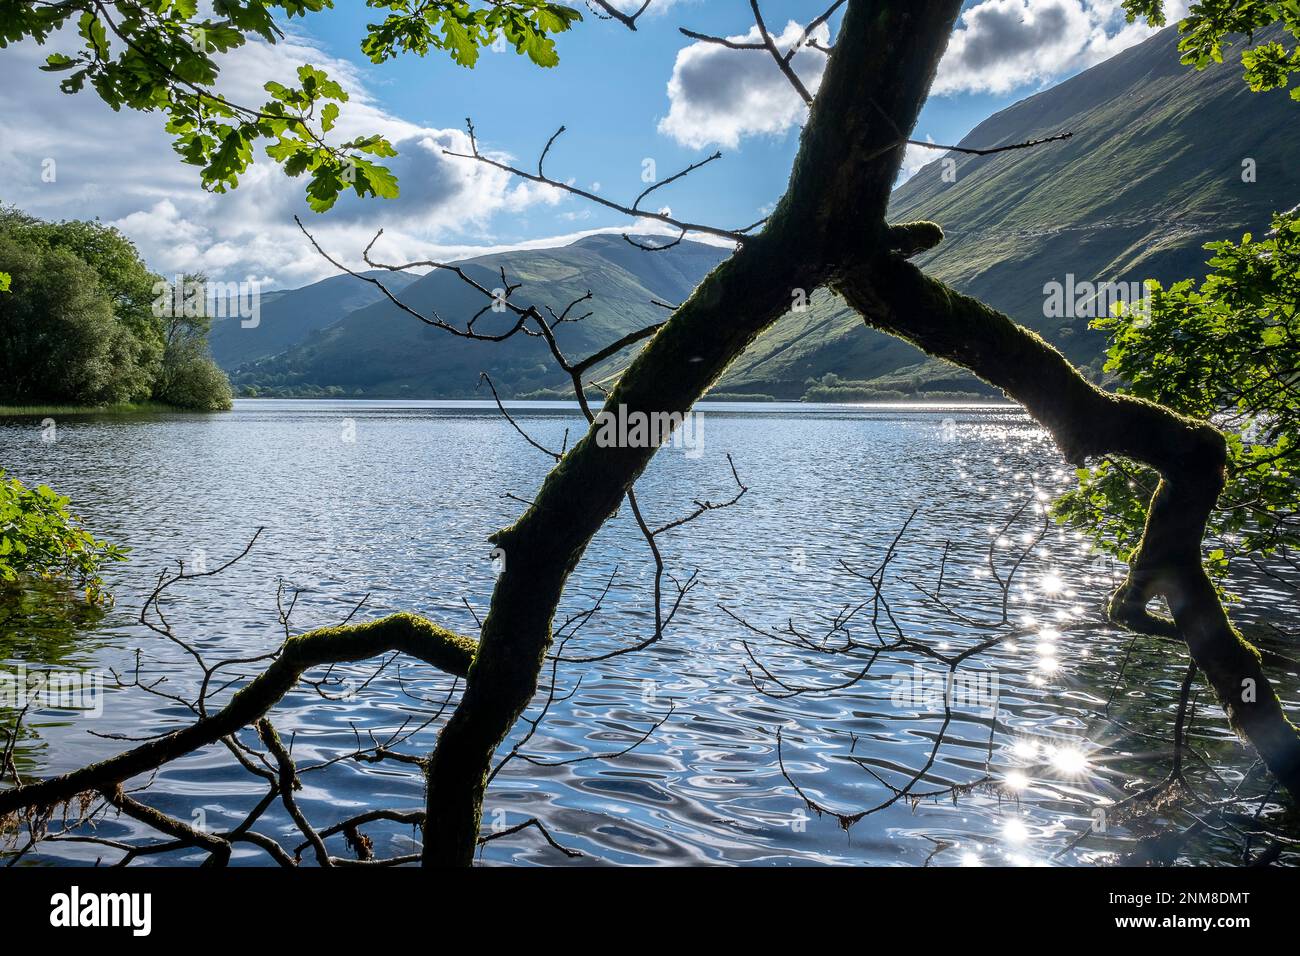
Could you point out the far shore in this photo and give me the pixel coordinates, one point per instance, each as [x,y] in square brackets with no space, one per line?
[122,408]
[129,409]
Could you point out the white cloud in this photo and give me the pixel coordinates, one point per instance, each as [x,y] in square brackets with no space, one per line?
[718,95]
[1005,45]
[122,166]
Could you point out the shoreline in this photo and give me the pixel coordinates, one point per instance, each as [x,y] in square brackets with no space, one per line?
[130,409]
[723,399]
[122,408]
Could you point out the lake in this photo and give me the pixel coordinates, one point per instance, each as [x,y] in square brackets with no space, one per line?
[393,502]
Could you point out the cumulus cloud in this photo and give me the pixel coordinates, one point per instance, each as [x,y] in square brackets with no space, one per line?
[121,166]
[718,95]
[1005,45]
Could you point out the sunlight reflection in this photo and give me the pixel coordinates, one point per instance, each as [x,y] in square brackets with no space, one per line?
[1068,760]
[1025,748]
[1015,831]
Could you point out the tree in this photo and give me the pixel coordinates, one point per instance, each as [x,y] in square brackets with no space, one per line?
[123,278]
[188,377]
[1225,352]
[82,326]
[57,336]
[197,382]
[828,231]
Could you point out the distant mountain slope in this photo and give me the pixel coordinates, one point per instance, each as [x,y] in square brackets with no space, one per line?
[381,351]
[1153,171]
[288,317]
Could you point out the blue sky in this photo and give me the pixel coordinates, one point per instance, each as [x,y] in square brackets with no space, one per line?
[609,91]
[624,96]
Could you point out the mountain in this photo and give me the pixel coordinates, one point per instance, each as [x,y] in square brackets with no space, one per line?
[1153,170]
[383,352]
[287,317]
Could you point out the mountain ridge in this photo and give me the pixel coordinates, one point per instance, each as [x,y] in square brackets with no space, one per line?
[413,359]
[1153,171]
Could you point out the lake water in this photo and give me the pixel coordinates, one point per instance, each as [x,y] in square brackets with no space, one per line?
[396,500]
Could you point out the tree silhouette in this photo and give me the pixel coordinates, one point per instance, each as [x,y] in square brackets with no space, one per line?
[829,231]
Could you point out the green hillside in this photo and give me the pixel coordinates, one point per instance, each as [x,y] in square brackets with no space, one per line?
[288,317]
[1152,172]
[382,352]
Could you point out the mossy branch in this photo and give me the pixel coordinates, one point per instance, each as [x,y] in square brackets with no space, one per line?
[405,633]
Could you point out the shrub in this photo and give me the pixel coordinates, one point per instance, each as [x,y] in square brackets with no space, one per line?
[39,537]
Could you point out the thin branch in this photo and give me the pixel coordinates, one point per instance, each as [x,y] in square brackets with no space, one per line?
[475,154]
[612,12]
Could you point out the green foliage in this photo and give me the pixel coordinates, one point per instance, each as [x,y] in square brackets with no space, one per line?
[122,277]
[1227,351]
[195,382]
[851,392]
[164,55]
[78,325]
[415,26]
[39,537]
[58,340]
[189,378]
[832,388]
[1210,24]
[4,281]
